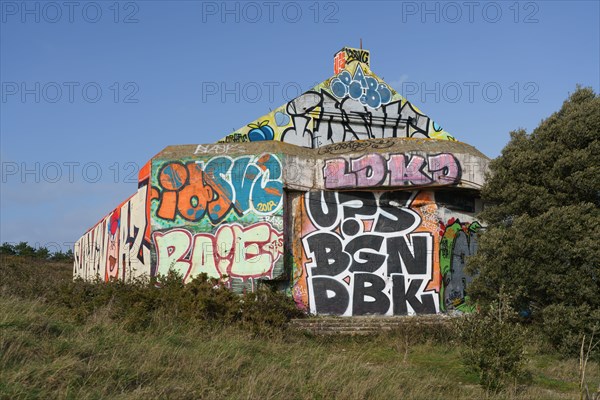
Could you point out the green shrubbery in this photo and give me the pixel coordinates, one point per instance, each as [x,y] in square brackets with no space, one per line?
[140,302]
[565,326]
[23,249]
[494,345]
[542,211]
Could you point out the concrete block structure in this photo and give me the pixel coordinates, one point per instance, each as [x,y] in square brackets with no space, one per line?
[348,198]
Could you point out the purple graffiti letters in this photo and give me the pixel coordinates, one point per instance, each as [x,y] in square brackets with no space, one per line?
[372,170]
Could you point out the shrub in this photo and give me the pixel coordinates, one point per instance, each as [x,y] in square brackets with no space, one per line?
[564,327]
[493,345]
[267,309]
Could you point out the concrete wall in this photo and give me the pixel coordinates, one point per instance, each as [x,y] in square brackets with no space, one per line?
[382,252]
[348,197]
[382,226]
[220,215]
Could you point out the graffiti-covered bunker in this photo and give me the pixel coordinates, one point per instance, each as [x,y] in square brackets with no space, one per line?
[348,198]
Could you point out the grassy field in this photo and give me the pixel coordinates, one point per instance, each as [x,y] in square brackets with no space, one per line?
[48,351]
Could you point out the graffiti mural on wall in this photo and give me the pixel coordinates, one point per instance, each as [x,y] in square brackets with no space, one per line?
[116,247]
[353,105]
[364,255]
[233,250]
[372,170]
[318,119]
[365,89]
[219,215]
[348,55]
[458,240]
[382,252]
[190,191]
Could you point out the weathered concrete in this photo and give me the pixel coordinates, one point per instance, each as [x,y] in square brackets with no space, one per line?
[361,326]
[348,198]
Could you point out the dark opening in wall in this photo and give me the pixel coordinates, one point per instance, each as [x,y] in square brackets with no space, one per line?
[457,200]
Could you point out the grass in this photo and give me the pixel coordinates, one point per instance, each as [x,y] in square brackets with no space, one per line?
[47,352]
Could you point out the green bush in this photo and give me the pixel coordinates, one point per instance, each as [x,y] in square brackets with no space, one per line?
[563,327]
[493,345]
[267,309]
[166,299]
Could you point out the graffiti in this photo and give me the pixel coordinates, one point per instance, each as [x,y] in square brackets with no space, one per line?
[337,121]
[355,146]
[352,105]
[90,255]
[365,257]
[116,247]
[266,207]
[372,170]
[220,186]
[112,256]
[233,250]
[339,62]
[458,240]
[134,242]
[260,131]
[347,55]
[217,148]
[235,138]
[359,55]
[360,87]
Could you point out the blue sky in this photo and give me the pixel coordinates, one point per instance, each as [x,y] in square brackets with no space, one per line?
[92,89]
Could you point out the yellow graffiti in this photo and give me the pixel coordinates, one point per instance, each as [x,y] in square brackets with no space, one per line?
[266,207]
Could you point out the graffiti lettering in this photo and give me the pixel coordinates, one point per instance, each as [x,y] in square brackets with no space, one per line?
[116,248]
[372,170]
[217,187]
[233,250]
[266,207]
[347,55]
[366,89]
[357,55]
[319,119]
[355,146]
[216,148]
[365,257]
[235,137]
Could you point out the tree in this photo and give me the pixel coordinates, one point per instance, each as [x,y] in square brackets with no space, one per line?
[542,199]
[7,249]
[24,249]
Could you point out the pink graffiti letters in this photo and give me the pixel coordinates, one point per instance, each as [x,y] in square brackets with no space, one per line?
[233,250]
[372,170]
[365,257]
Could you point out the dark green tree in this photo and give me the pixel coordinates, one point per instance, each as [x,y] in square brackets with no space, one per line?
[24,249]
[542,199]
[42,253]
[7,249]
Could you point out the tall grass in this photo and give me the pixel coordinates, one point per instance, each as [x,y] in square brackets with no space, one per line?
[91,347]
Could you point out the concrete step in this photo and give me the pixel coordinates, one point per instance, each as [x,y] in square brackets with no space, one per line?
[362,325]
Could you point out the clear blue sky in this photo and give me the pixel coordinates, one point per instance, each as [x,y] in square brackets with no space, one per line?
[92,89]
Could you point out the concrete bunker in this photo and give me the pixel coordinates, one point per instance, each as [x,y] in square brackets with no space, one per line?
[348,198]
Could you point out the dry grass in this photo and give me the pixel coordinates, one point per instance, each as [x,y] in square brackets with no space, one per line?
[46,353]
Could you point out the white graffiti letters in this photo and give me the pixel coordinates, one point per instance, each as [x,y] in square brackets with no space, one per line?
[366,257]
[233,250]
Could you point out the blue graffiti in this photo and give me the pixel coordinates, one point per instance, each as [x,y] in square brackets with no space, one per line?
[260,131]
[366,89]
